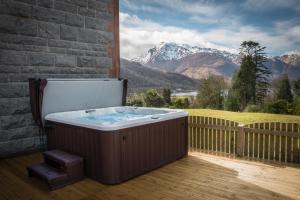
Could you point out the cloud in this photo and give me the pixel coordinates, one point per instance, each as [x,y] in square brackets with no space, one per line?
[272,4]
[140,7]
[137,36]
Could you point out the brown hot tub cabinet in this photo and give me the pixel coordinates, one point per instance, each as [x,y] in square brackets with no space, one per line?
[111,155]
[115,156]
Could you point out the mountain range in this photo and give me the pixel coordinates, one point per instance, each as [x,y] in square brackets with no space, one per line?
[172,62]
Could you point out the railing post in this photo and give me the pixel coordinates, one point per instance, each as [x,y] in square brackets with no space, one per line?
[240,140]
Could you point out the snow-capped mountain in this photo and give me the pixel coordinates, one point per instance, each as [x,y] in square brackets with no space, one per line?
[173,51]
[199,62]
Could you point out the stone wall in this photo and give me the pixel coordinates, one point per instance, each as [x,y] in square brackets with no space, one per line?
[44,39]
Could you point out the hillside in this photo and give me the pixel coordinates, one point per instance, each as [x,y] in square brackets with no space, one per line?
[140,76]
[199,62]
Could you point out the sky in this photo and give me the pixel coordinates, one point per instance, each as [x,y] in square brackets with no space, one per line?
[221,24]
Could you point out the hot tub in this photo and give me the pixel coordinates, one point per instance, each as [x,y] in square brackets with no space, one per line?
[117,142]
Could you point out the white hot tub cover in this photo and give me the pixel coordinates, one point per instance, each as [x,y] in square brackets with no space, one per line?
[60,95]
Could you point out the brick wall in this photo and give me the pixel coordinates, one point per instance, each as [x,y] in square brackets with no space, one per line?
[49,38]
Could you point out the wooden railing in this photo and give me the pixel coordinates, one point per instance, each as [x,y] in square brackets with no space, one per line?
[264,141]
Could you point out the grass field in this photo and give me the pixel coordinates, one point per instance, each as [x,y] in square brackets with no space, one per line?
[244,117]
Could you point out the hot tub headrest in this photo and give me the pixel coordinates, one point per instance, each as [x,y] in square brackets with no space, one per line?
[61,95]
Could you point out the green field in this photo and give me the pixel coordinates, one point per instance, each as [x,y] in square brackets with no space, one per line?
[244,117]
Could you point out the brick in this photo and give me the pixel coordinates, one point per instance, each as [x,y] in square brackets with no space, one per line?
[65,61]
[94,23]
[12,58]
[11,90]
[68,33]
[19,133]
[48,15]
[87,36]
[41,59]
[86,12]
[49,30]
[87,61]
[45,3]
[65,7]
[74,20]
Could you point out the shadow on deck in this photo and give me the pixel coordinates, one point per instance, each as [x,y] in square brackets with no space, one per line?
[198,176]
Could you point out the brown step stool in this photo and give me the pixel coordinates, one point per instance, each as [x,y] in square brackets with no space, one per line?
[59,169]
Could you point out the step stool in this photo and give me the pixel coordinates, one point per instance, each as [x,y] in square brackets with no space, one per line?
[58,169]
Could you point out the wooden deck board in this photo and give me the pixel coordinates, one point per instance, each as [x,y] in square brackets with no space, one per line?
[198,176]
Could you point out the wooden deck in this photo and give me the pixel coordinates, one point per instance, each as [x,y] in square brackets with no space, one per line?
[198,176]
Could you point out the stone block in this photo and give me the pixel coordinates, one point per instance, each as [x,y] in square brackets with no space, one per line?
[12,58]
[19,145]
[12,121]
[87,61]
[45,3]
[15,8]
[98,5]
[95,23]
[68,33]
[74,20]
[12,90]
[10,106]
[86,12]
[41,59]
[18,133]
[65,7]
[87,36]
[65,61]
[48,15]
[48,30]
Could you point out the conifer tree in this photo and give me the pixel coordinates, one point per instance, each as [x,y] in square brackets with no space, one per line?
[284,90]
[251,83]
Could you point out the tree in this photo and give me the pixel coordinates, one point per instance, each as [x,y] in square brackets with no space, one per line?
[250,84]
[177,103]
[152,98]
[211,92]
[297,88]
[296,103]
[166,94]
[186,103]
[284,90]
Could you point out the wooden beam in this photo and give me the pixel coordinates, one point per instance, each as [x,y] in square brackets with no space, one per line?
[115,70]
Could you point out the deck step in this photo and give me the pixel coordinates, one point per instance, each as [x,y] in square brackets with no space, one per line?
[61,158]
[53,177]
[59,169]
